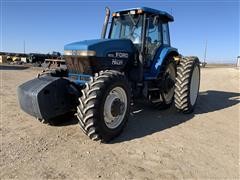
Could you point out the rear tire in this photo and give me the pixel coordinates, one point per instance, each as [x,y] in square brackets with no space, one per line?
[98,116]
[187,84]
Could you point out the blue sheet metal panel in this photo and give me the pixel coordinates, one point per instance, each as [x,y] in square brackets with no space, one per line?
[83,45]
[157,62]
[78,78]
[102,46]
[150,10]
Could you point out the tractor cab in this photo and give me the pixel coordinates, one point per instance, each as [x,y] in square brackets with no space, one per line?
[147,29]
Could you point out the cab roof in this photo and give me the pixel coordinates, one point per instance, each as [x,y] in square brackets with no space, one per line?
[163,14]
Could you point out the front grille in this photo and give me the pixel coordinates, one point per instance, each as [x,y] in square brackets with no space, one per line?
[79,65]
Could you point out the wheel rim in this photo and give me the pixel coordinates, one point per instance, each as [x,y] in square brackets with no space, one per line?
[172,74]
[113,120]
[194,87]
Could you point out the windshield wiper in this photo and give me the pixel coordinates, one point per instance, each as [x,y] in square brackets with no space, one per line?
[134,23]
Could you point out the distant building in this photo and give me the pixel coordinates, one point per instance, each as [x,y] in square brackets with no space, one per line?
[3,59]
[238,61]
[24,59]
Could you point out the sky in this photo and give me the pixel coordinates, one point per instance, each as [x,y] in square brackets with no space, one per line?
[47,26]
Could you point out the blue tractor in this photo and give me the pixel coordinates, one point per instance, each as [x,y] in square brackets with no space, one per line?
[103,76]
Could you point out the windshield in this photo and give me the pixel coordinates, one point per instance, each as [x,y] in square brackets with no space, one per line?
[127,27]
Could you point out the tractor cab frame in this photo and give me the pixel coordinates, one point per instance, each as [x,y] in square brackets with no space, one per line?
[149,25]
[148,29]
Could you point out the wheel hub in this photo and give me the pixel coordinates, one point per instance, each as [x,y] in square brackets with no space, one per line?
[117,107]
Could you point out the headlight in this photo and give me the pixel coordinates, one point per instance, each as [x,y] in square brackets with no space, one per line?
[68,52]
[79,53]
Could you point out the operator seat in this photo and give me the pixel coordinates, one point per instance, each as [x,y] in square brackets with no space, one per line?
[149,55]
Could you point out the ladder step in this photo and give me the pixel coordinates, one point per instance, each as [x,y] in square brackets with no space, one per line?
[153,89]
[156,100]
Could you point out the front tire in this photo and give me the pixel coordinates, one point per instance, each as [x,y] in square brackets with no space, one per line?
[187,84]
[104,105]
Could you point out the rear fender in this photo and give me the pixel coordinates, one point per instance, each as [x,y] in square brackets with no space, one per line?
[160,57]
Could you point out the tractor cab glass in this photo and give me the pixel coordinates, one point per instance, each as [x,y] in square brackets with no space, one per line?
[130,26]
[127,26]
[153,36]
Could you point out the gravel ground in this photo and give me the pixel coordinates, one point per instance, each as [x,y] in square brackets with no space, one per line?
[154,145]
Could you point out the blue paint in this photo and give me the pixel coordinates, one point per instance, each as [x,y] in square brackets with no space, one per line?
[102,46]
[160,56]
[152,11]
[79,78]
[83,45]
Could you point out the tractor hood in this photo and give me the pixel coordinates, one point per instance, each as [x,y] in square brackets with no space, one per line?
[102,46]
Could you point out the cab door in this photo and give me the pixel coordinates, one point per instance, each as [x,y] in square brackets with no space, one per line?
[154,38]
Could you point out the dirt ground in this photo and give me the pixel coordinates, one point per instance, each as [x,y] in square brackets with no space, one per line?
[154,145]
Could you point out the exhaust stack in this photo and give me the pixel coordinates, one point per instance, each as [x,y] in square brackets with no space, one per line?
[104,29]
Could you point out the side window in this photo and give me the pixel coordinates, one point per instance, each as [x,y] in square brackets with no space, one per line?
[153,38]
[153,35]
[166,39]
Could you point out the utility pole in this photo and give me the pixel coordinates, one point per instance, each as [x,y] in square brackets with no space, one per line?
[205,53]
[24,46]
